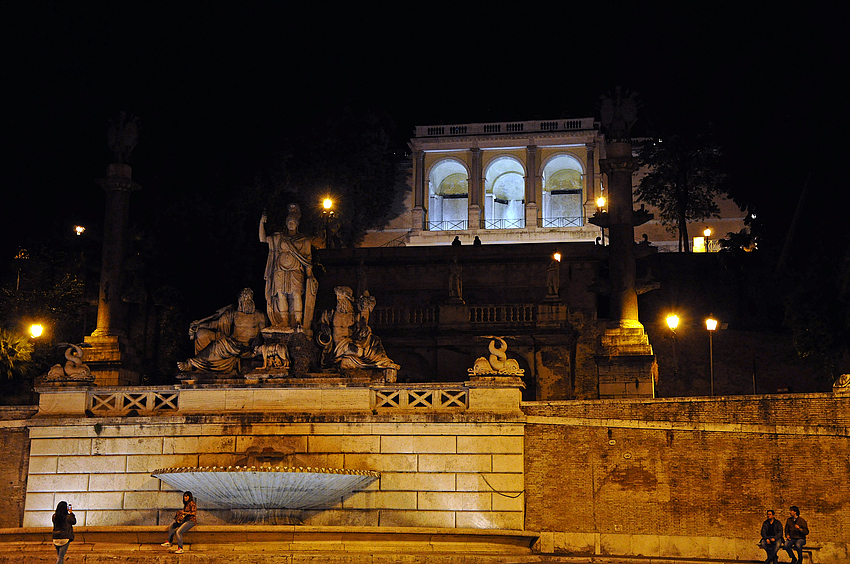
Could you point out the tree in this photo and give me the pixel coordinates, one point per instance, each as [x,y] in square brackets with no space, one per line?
[684,175]
[15,354]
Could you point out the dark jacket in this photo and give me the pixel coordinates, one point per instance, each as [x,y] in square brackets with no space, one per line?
[771,530]
[793,533]
[64,530]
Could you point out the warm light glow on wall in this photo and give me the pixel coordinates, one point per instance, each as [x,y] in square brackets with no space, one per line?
[699,244]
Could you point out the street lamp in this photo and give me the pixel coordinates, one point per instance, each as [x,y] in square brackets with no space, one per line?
[36,330]
[672,323]
[711,325]
[600,205]
[327,213]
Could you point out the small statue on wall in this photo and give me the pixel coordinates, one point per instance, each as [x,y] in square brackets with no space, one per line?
[498,363]
[74,369]
[345,335]
[455,282]
[226,337]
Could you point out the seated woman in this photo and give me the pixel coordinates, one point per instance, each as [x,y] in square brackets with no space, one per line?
[184,520]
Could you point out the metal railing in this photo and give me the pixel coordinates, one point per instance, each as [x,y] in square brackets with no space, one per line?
[505,313]
[560,222]
[450,225]
[503,223]
[506,127]
[420,398]
[404,316]
[142,403]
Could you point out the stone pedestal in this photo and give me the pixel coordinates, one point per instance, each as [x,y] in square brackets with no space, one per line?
[626,364]
[112,360]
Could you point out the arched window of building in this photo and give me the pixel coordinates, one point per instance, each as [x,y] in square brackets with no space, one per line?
[448,201]
[504,194]
[563,193]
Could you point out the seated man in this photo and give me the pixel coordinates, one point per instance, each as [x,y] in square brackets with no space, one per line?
[796,530]
[771,537]
[226,336]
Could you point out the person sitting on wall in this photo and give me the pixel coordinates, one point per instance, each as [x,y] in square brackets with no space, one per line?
[796,530]
[771,537]
[184,520]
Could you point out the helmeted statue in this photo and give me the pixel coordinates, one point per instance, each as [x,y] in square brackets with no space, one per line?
[290,285]
[225,337]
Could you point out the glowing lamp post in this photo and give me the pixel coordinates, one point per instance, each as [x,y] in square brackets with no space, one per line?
[673,323]
[600,205]
[327,213]
[36,330]
[711,325]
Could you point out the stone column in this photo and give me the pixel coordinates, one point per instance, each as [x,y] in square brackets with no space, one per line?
[531,184]
[625,363]
[619,166]
[419,188]
[590,181]
[476,188]
[109,357]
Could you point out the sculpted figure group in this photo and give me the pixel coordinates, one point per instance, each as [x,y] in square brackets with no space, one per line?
[233,334]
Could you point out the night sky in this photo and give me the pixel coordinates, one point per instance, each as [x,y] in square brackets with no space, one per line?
[217,92]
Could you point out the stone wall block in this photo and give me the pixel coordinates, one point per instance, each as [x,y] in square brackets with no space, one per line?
[64,447]
[497,444]
[123,482]
[508,483]
[282,443]
[489,520]
[393,518]
[135,445]
[153,462]
[40,502]
[43,464]
[435,444]
[57,483]
[455,463]
[126,517]
[454,501]
[508,463]
[381,462]
[92,464]
[511,502]
[398,481]
[397,444]
[435,482]
[343,443]
[381,500]
[205,444]
[152,500]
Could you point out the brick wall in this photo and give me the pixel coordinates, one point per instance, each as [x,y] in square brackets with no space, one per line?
[710,467]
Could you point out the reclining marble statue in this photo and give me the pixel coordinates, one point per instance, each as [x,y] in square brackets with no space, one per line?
[346,337]
[290,285]
[226,337]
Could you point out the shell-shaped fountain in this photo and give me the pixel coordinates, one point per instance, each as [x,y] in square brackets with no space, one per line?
[266,487]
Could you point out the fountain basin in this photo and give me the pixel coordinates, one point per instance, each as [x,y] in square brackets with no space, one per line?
[266,487]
